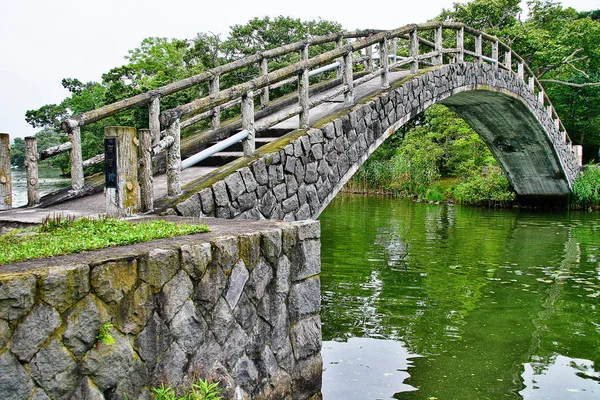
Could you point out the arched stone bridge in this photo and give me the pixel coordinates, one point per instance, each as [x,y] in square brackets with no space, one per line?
[297,176]
[331,127]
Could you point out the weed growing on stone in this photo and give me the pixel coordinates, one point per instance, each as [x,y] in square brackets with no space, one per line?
[200,390]
[58,236]
[104,335]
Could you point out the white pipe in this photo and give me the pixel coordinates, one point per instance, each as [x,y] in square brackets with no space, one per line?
[215,148]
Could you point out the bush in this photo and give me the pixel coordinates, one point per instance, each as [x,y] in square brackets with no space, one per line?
[586,188]
[490,188]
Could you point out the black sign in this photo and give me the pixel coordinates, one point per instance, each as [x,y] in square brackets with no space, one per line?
[110,163]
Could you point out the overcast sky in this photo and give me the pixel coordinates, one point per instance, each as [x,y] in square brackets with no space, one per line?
[42,41]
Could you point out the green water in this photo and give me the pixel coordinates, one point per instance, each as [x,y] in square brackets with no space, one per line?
[445,302]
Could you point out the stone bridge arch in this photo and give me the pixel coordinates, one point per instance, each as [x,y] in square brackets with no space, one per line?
[295,177]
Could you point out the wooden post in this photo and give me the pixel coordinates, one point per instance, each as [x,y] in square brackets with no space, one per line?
[303,91]
[383,62]
[77,179]
[495,51]
[339,72]
[31,165]
[508,60]
[348,80]
[460,45]
[439,59]
[146,179]
[369,61]
[213,88]
[174,160]
[394,51]
[248,122]
[479,48]
[414,51]
[531,83]
[521,71]
[121,155]
[5,173]
[264,70]
[153,121]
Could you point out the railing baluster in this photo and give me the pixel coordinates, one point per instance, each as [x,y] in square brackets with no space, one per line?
[348,80]
[264,70]
[531,83]
[541,96]
[31,165]
[339,72]
[77,179]
[460,45]
[495,47]
[303,91]
[394,51]
[146,179]
[479,48]
[369,60]
[414,51]
[248,122]
[439,59]
[5,173]
[174,160]
[508,60]
[213,88]
[383,62]
[153,120]
[521,71]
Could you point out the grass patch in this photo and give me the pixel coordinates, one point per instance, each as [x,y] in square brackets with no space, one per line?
[200,390]
[60,236]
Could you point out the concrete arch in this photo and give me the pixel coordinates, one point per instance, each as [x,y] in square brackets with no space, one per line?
[297,176]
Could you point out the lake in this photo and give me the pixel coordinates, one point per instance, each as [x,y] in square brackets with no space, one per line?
[428,301]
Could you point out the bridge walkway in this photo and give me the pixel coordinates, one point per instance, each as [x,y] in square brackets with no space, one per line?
[94,205]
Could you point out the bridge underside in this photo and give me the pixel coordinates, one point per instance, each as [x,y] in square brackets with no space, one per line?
[517,140]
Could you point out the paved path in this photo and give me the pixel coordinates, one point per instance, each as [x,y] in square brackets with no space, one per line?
[95,205]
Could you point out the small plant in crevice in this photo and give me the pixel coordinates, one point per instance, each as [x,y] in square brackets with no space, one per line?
[200,390]
[104,335]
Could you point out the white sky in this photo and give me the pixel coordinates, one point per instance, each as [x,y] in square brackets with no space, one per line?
[43,41]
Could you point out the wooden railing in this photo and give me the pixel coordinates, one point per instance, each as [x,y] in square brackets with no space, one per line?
[403,46]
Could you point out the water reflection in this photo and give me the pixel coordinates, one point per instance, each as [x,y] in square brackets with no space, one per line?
[365,368]
[479,294]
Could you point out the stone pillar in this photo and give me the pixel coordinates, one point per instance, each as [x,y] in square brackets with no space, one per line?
[121,156]
[248,123]
[5,173]
[31,165]
[383,62]
[439,59]
[214,89]
[264,70]
[414,51]
[153,121]
[174,160]
[460,45]
[303,92]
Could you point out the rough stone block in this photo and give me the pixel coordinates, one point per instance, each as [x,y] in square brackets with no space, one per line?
[247,201]
[172,366]
[259,280]
[5,333]
[226,252]
[307,377]
[303,212]
[15,384]
[174,295]
[280,192]
[290,164]
[306,337]
[17,295]
[311,173]
[34,330]
[235,285]
[329,131]
[207,201]
[250,249]
[290,205]
[299,171]
[220,191]
[154,341]
[55,370]
[196,258]
[87,390]
[135,310]
[113,280]
[271,245]
[245,313]
[222,321]
[62,287]
[260,171]
[159,267]
[305,299]
[83,324]
[192,207]
[189,328]
[235,185]
[267,203]
[317,151]
[248,179]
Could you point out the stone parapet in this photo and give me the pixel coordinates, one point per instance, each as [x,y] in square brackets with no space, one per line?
[239,305]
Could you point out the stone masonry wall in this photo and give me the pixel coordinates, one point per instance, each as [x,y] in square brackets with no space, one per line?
[297,180]
[241,308]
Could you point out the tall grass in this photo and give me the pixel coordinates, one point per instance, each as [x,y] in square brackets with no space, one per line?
[586,188]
